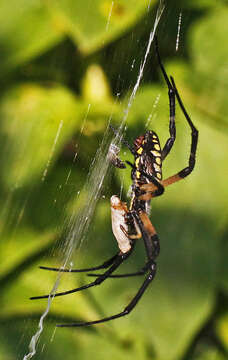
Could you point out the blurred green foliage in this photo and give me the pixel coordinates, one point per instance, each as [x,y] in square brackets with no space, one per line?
[66,67]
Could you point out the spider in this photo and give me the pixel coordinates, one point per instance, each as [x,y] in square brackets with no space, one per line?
[133,223]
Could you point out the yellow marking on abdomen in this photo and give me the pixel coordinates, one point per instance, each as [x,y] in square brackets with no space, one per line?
[137,162]
[140,150]
[158,160]
[156,146]
[138,174]
[155,153]
[131,203]
[157,168]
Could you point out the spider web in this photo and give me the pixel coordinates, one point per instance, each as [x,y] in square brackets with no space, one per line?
[79,223]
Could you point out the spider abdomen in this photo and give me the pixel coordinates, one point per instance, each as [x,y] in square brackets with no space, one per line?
[148,159]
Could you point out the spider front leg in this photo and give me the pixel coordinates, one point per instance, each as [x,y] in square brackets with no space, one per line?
[171,92]
[194,134]
[122,140]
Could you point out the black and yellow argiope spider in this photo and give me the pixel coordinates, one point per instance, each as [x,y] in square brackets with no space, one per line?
[133,223]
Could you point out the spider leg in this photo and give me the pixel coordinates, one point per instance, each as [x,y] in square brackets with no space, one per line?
[117,262]
[138,273]
[149,234]
[105,265]
[123,141]
[171,92]
[194,133]
[128,308]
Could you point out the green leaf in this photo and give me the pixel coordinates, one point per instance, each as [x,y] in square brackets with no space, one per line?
[201,4]
[222,329]
[209,70]
[27,243]
[91,27]
[30,247]
[36,123]
[34,282]
[27,29]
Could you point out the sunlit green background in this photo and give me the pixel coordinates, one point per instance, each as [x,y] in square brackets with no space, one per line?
[66,66]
